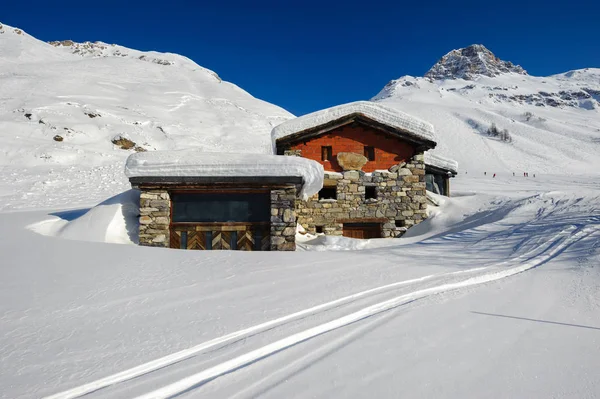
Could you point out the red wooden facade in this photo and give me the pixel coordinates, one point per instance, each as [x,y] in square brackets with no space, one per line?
[389,150]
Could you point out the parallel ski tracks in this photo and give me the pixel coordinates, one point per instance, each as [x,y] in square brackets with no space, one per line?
[448,282]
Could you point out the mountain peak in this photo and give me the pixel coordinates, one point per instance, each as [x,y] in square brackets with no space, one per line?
[469,62]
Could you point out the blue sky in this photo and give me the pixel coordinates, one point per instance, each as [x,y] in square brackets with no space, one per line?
[307,55]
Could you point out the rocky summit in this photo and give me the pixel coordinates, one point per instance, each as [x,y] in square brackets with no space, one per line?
[470,62]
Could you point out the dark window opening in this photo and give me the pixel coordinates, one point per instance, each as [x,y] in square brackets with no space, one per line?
[213,208]
[436,183]
[319,229]
[400,223]
[184,240]
[209,236]
[370,192]
[326,153]
[233,240]
[280,151]
[328,193]
[370,153]
[257,240]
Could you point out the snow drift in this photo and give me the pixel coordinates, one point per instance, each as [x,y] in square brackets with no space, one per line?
[112,221]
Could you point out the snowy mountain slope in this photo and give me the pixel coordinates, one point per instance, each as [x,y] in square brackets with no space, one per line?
[90,99]
[554,121]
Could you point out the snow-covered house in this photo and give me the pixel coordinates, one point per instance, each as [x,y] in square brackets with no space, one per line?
[375,173]
[438,171]
[195,200]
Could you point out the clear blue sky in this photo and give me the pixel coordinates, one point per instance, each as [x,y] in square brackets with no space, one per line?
[307,55]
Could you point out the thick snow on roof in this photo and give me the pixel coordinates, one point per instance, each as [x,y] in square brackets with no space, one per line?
[441,162]
[212,164]
[375,111]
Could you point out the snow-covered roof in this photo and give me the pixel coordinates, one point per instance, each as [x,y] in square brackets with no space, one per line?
[441,162]
[374,111]
[193,163]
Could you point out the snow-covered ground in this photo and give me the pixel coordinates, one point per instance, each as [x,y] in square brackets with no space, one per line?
[497,295]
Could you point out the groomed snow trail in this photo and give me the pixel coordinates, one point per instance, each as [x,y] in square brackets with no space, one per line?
[554,247]
[176,357]
[443,282]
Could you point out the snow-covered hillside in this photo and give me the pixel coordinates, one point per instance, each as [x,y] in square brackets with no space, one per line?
[554,121]
[62,106]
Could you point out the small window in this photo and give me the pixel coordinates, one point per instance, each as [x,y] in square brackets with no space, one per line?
[328,193]
[319,229]
[370,192]
[370,153]
[400,223]
[326,153]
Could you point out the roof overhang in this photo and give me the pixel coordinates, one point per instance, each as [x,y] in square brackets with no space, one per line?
[357,117]
[217,181]
[439,171]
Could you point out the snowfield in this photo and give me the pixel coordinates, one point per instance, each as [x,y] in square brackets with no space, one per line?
[497,295]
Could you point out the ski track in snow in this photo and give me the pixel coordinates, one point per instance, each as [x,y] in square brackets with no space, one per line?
[552,249]
[529,260]
[187,353]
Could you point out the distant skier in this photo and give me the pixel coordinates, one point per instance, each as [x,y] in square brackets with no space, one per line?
[485,173]
[494,175]
[513,173]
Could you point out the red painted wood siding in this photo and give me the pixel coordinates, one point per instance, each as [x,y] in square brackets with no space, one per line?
[389,150]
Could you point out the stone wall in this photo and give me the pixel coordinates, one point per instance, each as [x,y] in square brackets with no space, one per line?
[401,200]
[283,219]
[155,207]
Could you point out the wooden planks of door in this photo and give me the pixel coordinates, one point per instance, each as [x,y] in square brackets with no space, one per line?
[362,230]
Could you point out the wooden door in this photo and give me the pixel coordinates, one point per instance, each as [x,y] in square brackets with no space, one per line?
[215,236]
[362,230]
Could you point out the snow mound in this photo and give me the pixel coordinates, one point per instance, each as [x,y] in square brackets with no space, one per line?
[376,112]
[441,162]
[200,164]
[112,221]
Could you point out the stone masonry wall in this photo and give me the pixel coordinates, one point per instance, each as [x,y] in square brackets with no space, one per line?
[155,206]
[401,200]
[283,219]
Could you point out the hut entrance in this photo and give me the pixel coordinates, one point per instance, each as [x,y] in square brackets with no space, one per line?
[362,230]
[220,220]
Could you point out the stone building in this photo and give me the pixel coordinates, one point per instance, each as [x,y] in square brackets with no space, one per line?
[194,200]
[360,170]
[374,181]
[438,172]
